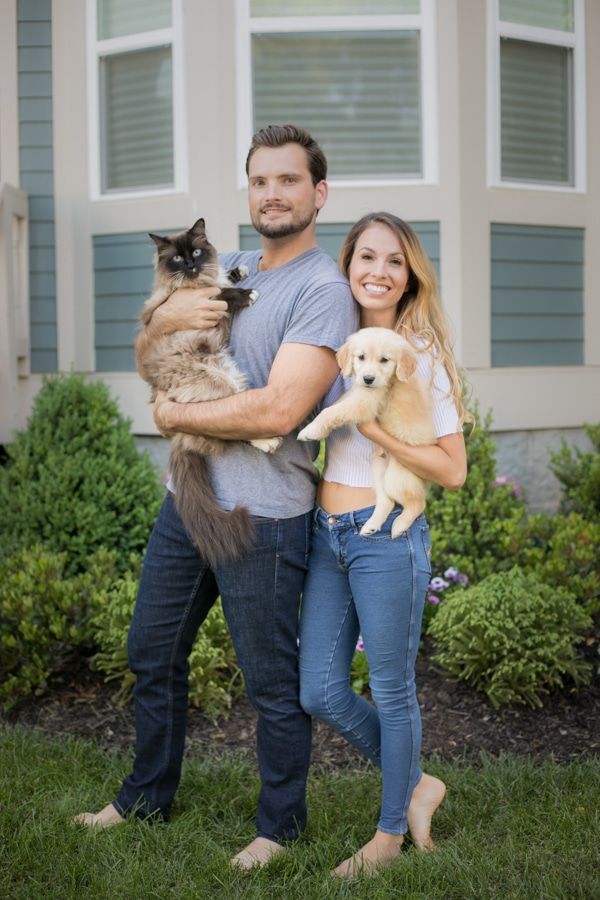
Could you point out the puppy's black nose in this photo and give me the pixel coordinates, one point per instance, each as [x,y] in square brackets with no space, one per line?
[368,379]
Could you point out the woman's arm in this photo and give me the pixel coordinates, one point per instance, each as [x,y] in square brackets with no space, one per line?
[444,463]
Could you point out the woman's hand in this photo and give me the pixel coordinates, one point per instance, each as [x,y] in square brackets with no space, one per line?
[189,309]
[444,462]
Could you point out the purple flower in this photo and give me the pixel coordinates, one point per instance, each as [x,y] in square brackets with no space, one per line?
[451,573]
[438,584]
[360,645]
[462,578]
[433,599]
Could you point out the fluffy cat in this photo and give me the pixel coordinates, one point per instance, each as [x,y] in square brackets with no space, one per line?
[198,365]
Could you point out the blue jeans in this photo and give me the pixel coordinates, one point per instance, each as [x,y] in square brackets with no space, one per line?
[261,597]
[373,586]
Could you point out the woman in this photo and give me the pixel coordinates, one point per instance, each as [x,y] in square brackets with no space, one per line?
[375,586]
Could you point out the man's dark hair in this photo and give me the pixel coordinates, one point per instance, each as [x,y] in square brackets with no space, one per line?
[279,135]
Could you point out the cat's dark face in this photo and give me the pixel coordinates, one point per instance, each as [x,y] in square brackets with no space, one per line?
[187,256]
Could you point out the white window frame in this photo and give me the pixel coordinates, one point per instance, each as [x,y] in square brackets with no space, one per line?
[96,49]
[424,23]
[496,30]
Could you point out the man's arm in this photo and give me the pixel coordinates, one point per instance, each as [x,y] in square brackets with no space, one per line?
[186,309]
[300,376]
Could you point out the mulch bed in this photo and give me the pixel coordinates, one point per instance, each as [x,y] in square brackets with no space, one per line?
[458,722]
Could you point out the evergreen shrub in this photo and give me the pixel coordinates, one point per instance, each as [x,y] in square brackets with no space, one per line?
[45,616]
[469,527]
[74,479]
[579,474]
[513,637]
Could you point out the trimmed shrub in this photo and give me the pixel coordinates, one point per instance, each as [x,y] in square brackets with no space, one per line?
[215,678]
[562,551]
[579,474]
[44,617]
[74,479]
[469,526]
[512,637]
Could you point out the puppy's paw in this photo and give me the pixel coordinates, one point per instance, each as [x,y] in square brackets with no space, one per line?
[310,433]
[253,297]
[267,445]
[370,527]
[400,527]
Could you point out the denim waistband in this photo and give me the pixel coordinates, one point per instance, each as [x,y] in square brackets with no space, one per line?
[354,519]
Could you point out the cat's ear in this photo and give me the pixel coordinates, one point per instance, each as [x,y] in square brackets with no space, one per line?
[198,228]
[159,241]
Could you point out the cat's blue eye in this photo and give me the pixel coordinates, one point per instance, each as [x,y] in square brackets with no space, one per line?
[177,258]
[197,252]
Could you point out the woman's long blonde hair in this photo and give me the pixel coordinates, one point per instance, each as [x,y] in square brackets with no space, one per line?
[420,312]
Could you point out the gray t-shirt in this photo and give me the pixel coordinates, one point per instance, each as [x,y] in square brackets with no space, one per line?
[305,301]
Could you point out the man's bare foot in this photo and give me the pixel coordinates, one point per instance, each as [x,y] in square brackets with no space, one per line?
[380,851]
[426,798]
[106,818]
[258,853]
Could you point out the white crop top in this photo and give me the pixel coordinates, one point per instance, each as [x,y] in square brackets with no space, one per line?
[349,455]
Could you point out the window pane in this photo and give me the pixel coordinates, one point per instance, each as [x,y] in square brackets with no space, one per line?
[556,14]
[536,119]
[358,94]
[138,119]
[261,8]
[119,17]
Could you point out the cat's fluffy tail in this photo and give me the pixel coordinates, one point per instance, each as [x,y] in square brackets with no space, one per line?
[220,536]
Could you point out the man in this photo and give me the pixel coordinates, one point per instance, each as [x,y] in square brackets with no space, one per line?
[285,343]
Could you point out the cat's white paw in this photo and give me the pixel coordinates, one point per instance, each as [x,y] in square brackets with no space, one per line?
[267,445]
[244,271]
[253,296]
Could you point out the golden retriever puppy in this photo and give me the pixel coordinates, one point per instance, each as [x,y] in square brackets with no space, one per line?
[386,387]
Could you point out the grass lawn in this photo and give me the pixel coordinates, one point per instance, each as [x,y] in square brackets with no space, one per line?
[507,829]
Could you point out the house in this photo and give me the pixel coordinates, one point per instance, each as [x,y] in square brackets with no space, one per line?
[475,120]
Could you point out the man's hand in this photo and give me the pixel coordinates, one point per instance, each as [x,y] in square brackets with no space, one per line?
[164,414]
[188,308]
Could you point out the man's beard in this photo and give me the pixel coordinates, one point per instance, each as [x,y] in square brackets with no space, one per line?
[283,229]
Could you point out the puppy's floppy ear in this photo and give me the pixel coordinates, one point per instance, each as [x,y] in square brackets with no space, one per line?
[344,359]
[406,364]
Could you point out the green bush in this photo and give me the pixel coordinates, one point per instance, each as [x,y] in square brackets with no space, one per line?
[44,616]
[579,474]
[562,551]
[215,677]
[512,637]
[74,479]
[469,526]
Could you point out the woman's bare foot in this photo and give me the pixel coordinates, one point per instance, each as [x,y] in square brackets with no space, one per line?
[258,853]
[426,798]
[380,851]
[106,818]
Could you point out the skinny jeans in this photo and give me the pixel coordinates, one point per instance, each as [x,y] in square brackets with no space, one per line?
[260,594]
[375,587]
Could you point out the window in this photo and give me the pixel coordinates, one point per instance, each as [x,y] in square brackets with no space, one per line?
[363,84]
[135,121]
[537,102]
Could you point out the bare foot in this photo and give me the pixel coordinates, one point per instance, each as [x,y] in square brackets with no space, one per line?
[426,798]
[378,852]
[106,818]
[258,853]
